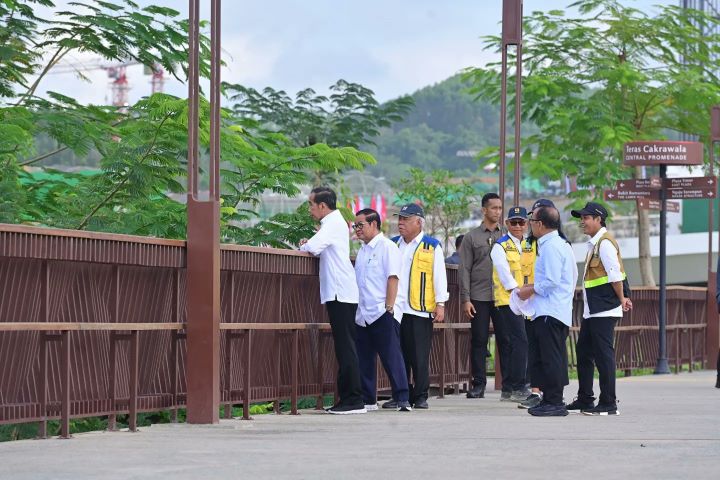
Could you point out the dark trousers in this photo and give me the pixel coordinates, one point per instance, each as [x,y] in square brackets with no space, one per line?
[532,358]
[381,338]
[342,323]
[595,348]
[515,369]
[479,334]
[551,366]
[416,340]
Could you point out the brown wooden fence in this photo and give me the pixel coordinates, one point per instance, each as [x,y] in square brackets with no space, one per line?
[93,324]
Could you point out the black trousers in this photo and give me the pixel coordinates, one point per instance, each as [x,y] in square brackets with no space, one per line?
[342,323]
[595,347]
[515,369]
[479,334]
[381,338]
[416,340]
[532,358]
[551,366]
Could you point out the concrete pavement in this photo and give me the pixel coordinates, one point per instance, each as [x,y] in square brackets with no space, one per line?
[669,428]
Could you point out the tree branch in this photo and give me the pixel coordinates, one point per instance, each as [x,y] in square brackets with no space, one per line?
[117,188]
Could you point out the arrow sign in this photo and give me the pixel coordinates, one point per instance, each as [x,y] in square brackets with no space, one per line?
[652,183]
[691,182]
[680,193]
[632,194]
[645,204]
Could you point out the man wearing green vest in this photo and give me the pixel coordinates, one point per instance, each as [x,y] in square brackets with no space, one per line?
[421,297]
[605,300]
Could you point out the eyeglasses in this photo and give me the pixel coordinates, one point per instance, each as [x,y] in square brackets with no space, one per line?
[516,223]
[359,225]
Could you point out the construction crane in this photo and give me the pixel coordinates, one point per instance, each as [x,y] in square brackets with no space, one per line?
[117,74]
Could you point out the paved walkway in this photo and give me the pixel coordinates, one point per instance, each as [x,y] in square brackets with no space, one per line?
[669,428]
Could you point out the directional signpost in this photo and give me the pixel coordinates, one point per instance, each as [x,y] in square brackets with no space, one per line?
[652,193]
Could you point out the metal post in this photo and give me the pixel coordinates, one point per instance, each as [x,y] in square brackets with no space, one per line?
[203,236]
[662,362]
[712,344]
[511,35]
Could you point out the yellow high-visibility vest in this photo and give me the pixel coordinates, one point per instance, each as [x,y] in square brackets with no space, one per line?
[522,267]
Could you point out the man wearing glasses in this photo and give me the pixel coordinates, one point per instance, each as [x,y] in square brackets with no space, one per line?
[377,268]
[552,300]
[339,294]
[513,259]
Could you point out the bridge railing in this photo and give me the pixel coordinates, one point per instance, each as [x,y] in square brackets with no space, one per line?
[93,325]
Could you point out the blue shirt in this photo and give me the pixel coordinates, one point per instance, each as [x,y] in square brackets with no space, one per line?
[555,279]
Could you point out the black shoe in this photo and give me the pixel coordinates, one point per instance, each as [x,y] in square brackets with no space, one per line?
[347,409]
[477,391]
[717,382]
[578,407]
[532,401]
[505,396]
[548,410]
[421,404]
[601,409]
[392,404]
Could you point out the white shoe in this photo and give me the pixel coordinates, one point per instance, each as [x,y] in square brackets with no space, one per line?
[371,408]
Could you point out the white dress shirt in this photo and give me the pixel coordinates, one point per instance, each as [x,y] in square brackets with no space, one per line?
[332,244]
[501,265]
[609,259]
[407,252]
[377,260]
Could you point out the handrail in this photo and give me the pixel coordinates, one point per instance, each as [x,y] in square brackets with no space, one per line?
[85,326]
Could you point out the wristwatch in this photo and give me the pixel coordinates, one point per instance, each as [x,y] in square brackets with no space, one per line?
[389,308]
[440,304]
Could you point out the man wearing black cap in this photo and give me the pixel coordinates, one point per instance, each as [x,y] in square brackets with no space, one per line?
[422,293]
[476,295]
[513,259]
[605,300]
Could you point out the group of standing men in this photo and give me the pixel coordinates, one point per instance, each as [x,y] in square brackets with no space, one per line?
[524,283]
[384,308]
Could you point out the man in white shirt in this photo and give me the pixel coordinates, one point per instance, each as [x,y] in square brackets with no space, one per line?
[377,268]
[422,293]
[339,294]
[513,259]
[605,300]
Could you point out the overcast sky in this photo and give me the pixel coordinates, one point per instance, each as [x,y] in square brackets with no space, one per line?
[393,47]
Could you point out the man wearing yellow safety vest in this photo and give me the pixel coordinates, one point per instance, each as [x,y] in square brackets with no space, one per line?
[422,293]
[605,296]
[513,259]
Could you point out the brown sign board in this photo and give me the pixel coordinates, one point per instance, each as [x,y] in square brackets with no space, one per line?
[631,194]
[670,206]
[680,193]
[691,182]
[512,22]
[663,153]
[652,183]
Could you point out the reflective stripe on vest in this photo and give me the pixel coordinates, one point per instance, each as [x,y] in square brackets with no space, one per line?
[599,269]
[596,282]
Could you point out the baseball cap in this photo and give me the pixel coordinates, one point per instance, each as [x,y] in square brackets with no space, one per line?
[517,212]
[411,210]
[543,202]
[591,208]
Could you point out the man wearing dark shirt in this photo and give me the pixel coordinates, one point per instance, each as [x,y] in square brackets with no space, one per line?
[476,295]
[454,259]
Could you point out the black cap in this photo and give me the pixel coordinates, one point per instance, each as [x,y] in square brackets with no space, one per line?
[411,210]
[543,202]
[517,212]
[591,208]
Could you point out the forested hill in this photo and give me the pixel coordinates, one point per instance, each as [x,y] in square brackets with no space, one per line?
[443,130]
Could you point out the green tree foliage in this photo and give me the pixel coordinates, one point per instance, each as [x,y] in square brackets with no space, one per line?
[445,199]
[142,148]
[610,75]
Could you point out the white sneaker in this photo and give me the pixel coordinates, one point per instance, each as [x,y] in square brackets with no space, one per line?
[371,408]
